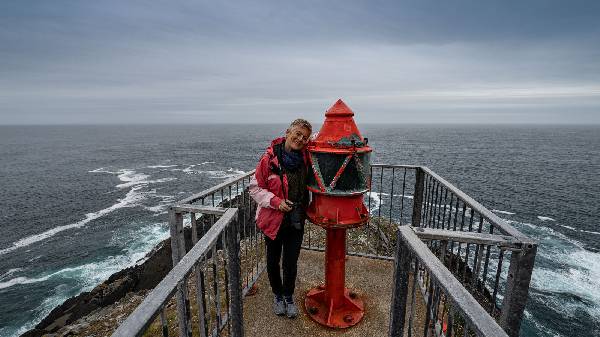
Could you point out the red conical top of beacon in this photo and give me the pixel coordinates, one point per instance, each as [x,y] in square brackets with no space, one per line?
[339,132]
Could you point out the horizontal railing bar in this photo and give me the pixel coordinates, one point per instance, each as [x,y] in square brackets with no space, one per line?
[144,314]
[215,188]
[370,256]
[199,209]
[505,241]
[478,318]
[396,166]
[489,215]
[253,280]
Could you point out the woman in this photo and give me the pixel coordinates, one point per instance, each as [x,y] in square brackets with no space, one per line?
[279,189]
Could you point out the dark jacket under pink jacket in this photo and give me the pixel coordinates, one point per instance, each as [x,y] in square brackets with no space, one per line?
[265,188]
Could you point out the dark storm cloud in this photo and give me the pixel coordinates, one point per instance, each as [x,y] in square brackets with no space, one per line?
[419,61]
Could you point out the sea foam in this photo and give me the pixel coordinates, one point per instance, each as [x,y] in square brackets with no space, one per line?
[503,212]
[578,274]
[132,178]
[137,242]
[130,200]
[134,197]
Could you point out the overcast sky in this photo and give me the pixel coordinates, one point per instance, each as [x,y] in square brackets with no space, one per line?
[270,61]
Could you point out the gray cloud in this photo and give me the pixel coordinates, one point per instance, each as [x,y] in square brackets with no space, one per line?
[159,62]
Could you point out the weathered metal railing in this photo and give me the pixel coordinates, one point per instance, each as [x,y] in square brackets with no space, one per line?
[495,273]
[479,265]
[449,309]
[389,202]
[204,255]
[489,259]
[217,253]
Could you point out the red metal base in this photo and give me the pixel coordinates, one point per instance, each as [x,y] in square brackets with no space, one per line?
[348,310]
[332,304]
[330,211]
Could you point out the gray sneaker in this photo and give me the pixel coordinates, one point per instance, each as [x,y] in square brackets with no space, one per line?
[279,306]
[291,310]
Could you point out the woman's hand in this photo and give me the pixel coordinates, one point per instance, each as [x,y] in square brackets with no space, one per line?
[285,206]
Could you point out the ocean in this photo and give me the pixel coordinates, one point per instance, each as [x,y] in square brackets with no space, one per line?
[78,203]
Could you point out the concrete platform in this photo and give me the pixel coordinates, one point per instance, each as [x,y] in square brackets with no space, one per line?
[370,279]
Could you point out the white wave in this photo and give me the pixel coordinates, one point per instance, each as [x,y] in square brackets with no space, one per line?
[101,170]
[527,224]
[35,258]
[578,274]
[590,232]
[214,174]
[139,243]
[22,280]
[164,203]
[161,166]
[188,170]
[10,272]
[132,199]
[131,178]
[230,173]
[545,218]
[394,195]
[568,227]
[503,212]
[581,277]
[373,199]
[207,162]
[156,209]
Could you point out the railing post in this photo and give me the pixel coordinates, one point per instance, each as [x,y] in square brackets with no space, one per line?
[517,288]
[235,284]
[400,291]
[177,253]
[418,197]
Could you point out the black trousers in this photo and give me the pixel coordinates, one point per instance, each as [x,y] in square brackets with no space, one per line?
[288,241]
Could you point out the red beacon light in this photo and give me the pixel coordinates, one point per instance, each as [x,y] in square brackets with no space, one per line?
[340,160]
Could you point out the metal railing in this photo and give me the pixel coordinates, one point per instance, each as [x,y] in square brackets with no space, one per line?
[495,261]
[486,258]
[214,252]
[450,310]
[204,255]
[389,201]
[496,271]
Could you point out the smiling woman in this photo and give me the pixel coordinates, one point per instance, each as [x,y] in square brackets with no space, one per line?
[279,189]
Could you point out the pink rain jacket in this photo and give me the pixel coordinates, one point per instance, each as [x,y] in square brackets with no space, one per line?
[265,188]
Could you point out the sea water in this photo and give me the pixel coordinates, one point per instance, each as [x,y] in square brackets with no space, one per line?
[79,203]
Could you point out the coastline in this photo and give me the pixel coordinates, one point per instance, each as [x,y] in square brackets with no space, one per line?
[132,281]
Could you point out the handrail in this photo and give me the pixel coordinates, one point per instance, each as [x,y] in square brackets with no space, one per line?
[144,314]
[463,302]
[396,166]
[504,241]
[209,191]
[489,215]
[459,277]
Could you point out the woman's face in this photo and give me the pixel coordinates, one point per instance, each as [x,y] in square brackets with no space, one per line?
[296,138]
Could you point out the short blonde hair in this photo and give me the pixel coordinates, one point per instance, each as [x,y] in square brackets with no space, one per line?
[301,122]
